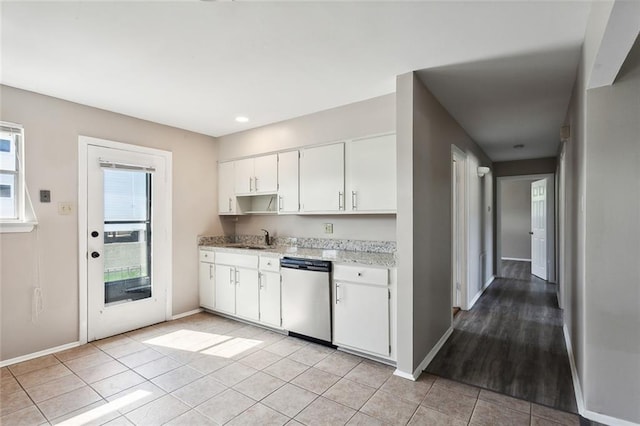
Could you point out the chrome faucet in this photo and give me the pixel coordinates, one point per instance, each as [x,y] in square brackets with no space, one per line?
[267,240]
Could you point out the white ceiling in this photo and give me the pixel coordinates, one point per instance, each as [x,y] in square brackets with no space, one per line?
[197,65]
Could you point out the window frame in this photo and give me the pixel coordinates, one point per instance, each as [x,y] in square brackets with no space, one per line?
[25,218]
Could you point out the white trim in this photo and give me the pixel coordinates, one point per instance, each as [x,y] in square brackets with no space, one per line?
[464,188]
[516,258]
[591,415]
[427,359]
[481,292]
[43,352]
[83,146]
[187,314]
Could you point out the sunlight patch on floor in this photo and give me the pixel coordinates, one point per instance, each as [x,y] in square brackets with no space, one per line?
[108,408]
[207,343]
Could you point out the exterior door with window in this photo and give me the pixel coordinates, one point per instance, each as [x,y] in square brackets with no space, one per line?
[126,218]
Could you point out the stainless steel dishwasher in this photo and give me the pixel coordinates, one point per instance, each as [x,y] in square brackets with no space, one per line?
[306,298]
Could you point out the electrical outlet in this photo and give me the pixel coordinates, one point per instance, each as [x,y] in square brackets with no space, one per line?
[328,228]
[65,208]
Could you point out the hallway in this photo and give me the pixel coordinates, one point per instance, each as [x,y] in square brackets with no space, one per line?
[511,342]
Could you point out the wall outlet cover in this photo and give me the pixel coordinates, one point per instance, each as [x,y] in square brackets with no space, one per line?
[328,228]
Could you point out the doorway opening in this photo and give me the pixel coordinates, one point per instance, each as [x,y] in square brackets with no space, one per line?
[124,237]
[525,227]
[458,230]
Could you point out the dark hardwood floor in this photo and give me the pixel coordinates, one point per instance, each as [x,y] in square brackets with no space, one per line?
[512,342]
[516,269]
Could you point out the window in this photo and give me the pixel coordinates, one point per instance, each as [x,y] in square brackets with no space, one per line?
[16,212]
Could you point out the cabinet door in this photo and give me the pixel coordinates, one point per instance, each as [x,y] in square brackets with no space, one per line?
[225,294]
[265,179]
[247,293]
[322,178]
[243,176]
[270,298]
[206,285]
[361,317]
[226,195]
[371,174]
[288,201]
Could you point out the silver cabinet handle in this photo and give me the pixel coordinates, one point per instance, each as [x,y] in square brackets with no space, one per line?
[255,183]
[260,285]
[354,200]
[210,270]
[280,203]
[237,277]
[231,276]
[337,293]
[250,184]
[229,203]
[340,202]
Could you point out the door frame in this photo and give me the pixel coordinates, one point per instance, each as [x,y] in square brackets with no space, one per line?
[551,259]
[83,146]
[464,268]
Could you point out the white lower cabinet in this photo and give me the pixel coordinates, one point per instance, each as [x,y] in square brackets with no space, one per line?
[270,298]
[206,279]
[225,294]
[361,314]
[247,293]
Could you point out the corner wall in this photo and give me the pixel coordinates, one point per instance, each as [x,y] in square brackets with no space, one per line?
[425,133]
[52,127]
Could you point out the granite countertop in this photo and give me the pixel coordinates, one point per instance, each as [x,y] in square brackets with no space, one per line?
[339,256]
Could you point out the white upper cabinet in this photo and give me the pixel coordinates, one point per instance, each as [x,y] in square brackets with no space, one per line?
[226,192]
[371,175]
[288,184]
[322,179]
[258,175]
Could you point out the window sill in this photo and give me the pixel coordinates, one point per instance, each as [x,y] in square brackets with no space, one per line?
[15,227]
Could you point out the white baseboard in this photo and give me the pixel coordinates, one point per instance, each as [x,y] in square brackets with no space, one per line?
[481,292]
[591,415]
[38,354]
[516,258]
[186,314]
[427,359]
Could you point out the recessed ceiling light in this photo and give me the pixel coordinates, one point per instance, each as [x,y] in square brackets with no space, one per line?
[241,119]
[519,146]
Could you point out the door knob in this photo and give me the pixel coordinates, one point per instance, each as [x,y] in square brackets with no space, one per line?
[95,254]
[94,234]
[530,233]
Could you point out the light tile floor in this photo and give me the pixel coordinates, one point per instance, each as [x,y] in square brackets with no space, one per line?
[209,370]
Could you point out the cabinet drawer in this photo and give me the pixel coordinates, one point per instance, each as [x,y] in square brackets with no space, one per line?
[269,263]
[238,260]
[361,274]
[206,256]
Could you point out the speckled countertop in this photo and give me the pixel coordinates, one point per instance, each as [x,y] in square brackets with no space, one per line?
[339,256]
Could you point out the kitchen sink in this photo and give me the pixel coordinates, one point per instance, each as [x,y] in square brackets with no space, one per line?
[245,246]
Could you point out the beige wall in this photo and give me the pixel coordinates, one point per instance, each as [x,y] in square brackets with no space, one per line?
[426,132]
[52,127]
[515,215]
[370,117]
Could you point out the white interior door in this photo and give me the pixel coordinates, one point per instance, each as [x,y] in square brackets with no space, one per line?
[127,240]
[539,228]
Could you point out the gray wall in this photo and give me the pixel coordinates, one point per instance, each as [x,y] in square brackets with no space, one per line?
[535,166]
[373,116]
[425,133]
[612,267]
[599,233]
[52,127]
[515,217]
